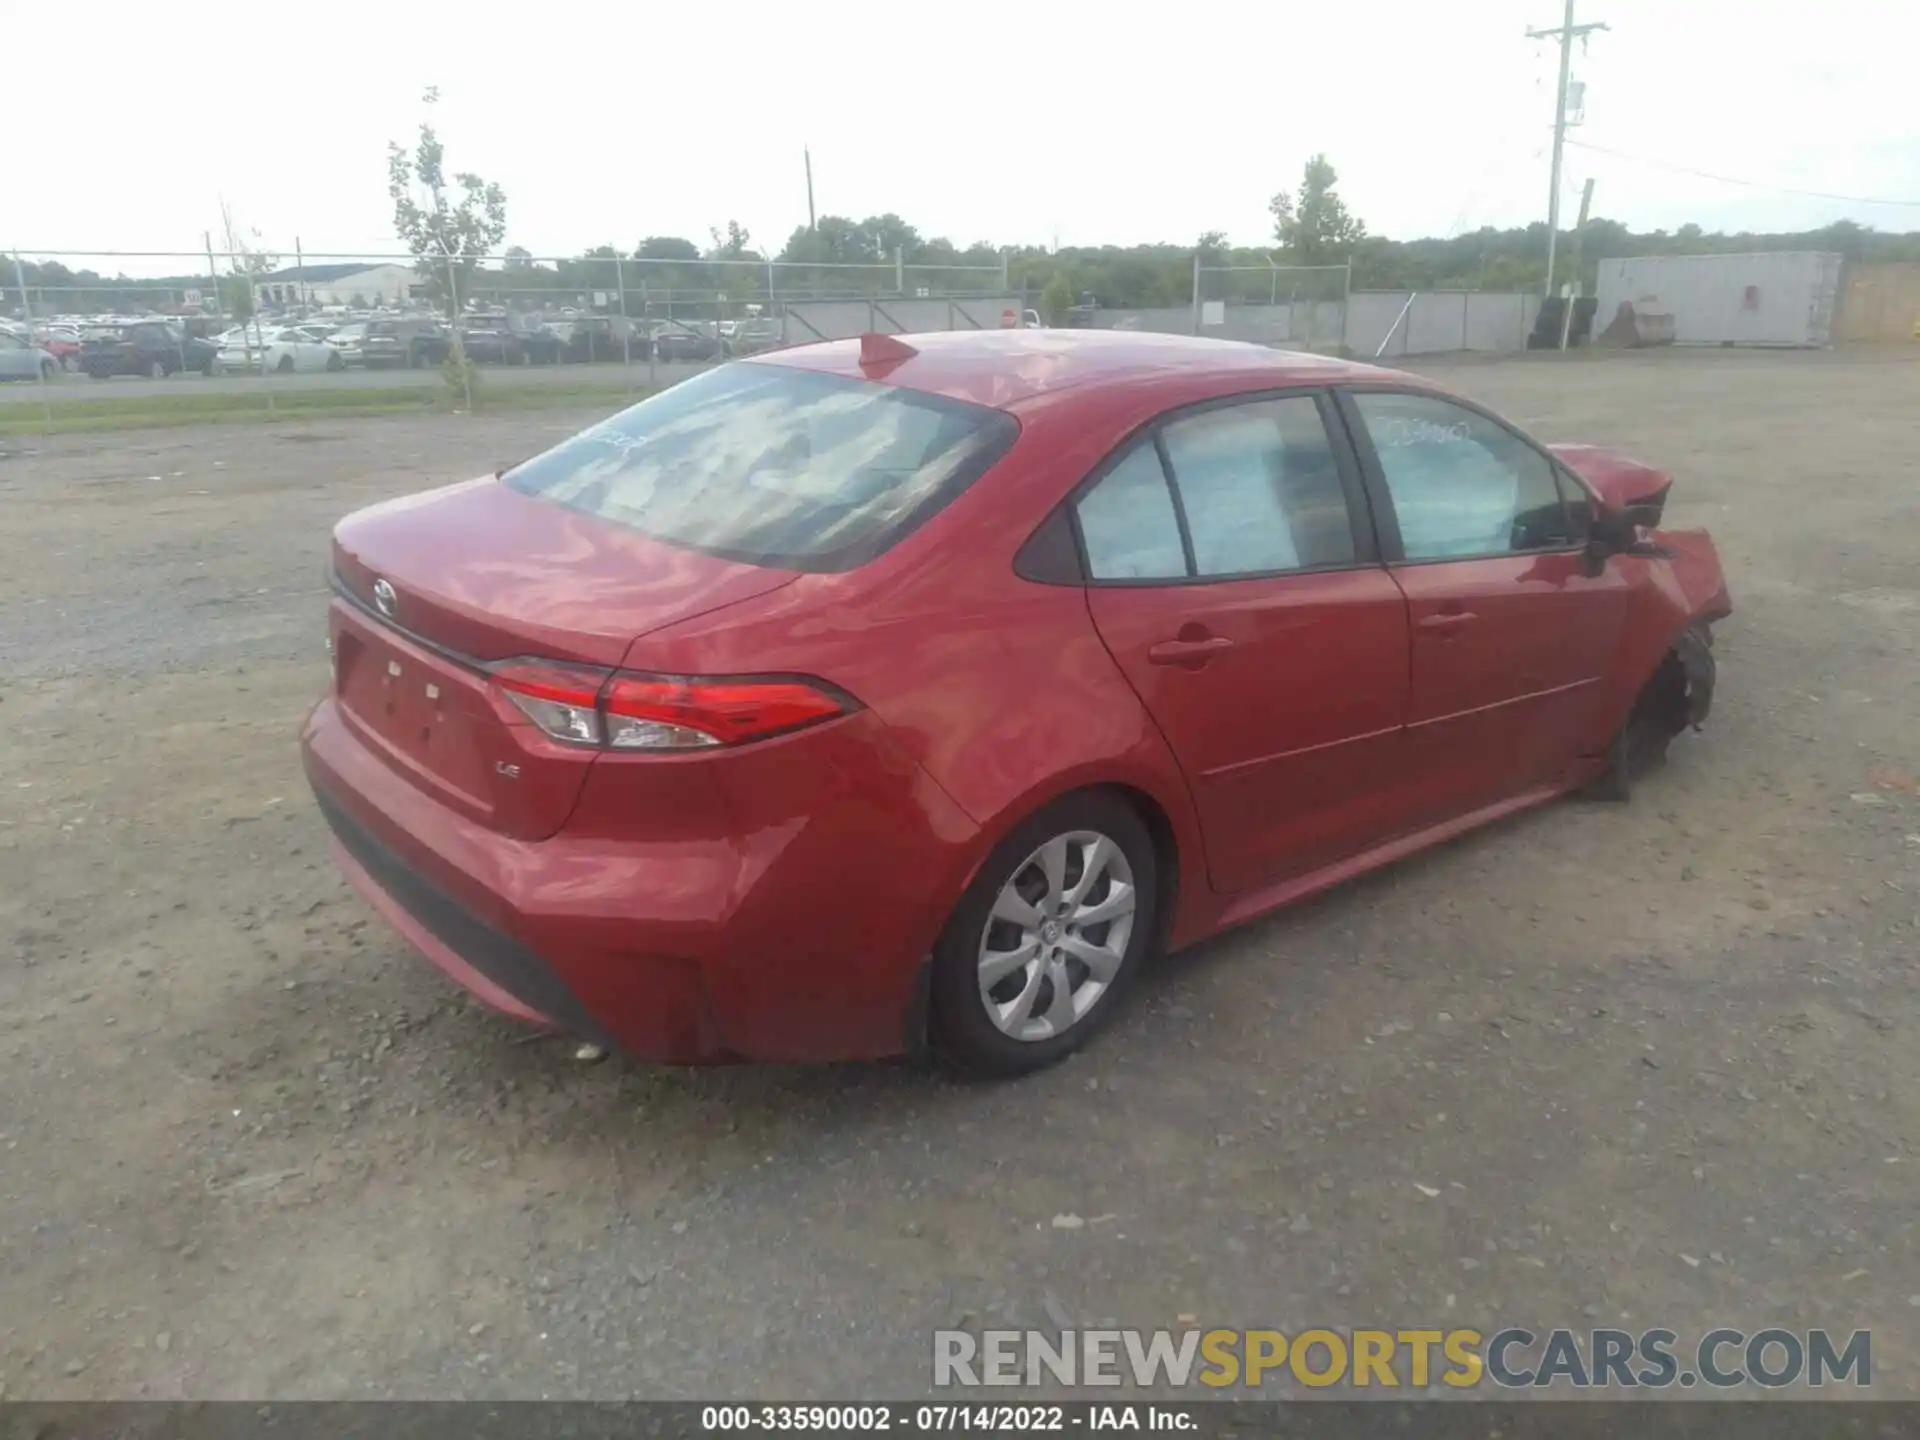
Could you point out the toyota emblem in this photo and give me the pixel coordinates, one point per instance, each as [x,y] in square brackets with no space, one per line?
[384,598]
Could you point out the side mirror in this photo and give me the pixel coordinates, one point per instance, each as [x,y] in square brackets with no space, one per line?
[1617,527]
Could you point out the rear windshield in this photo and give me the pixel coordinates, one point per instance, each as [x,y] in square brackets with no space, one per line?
[774,466]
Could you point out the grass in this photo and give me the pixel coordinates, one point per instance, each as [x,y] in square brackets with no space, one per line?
[155,409]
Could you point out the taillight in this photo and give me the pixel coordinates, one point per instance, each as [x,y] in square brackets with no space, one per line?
[668,712]
[563,700]
[626,710]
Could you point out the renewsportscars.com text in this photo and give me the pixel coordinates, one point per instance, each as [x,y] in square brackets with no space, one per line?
[1511,1358]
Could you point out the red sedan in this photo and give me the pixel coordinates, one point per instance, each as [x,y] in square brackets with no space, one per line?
[907,694]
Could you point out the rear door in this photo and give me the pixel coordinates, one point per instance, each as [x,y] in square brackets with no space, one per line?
[1511,634]
[1233,576]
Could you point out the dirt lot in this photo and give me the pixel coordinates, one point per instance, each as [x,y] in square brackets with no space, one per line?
[1649,1065]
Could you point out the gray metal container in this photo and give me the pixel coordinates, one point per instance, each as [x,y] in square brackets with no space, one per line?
[1784,297]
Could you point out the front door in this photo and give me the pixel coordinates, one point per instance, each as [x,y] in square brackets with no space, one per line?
[1230,581]
[1511,634]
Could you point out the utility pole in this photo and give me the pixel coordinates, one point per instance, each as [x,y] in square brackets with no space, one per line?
[1565,33]
[1579,234]
[806,154]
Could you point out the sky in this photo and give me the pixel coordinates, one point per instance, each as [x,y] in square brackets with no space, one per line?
[1045,122]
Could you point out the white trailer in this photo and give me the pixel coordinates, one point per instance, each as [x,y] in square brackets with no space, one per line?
[1784,297]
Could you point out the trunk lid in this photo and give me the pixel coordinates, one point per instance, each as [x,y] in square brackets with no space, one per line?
[433,587]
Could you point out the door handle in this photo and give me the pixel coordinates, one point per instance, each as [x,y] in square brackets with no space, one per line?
[1449,621]
[1187,652]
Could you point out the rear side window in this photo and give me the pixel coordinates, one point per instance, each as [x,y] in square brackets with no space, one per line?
[1128,524]
[774,466]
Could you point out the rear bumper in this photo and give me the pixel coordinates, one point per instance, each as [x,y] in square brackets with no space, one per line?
[477,956]
[796,937]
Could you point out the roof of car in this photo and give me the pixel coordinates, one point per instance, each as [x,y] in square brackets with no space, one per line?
[1008,368]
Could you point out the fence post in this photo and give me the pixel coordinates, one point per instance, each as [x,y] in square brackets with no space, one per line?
[1196,292]
[653,358]
[899,270]
[1346,303]
[26,313]
[626,328]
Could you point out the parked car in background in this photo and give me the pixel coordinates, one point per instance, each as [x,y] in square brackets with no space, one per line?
[60,341]
[962,672]
[347,340]
[689,340]
[593,338]
[411,342]
[757,333]
[501,338]
[154,348]
[21,359]
[279,352]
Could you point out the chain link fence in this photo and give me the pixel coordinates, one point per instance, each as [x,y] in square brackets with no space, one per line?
[161,316]
[1299,307]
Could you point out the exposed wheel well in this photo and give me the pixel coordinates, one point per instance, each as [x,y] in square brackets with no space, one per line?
[1166,855]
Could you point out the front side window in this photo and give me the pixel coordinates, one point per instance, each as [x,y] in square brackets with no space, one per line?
[1461,485]
[774,465]
[1261,488]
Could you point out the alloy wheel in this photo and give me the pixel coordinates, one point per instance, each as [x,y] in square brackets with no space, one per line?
[1056,936]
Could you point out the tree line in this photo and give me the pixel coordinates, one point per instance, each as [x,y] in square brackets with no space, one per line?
[1311,227]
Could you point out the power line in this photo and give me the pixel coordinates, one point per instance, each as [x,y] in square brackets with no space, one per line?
[1732,180]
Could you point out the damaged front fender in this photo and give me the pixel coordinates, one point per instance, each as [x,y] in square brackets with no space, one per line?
[1679,593]
[1694,565]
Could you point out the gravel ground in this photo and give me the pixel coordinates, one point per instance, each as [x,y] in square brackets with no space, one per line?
[1646,1065]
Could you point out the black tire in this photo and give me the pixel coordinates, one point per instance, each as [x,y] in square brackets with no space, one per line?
[1658,714]
[336,362]
[962,1033]
[285,367]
